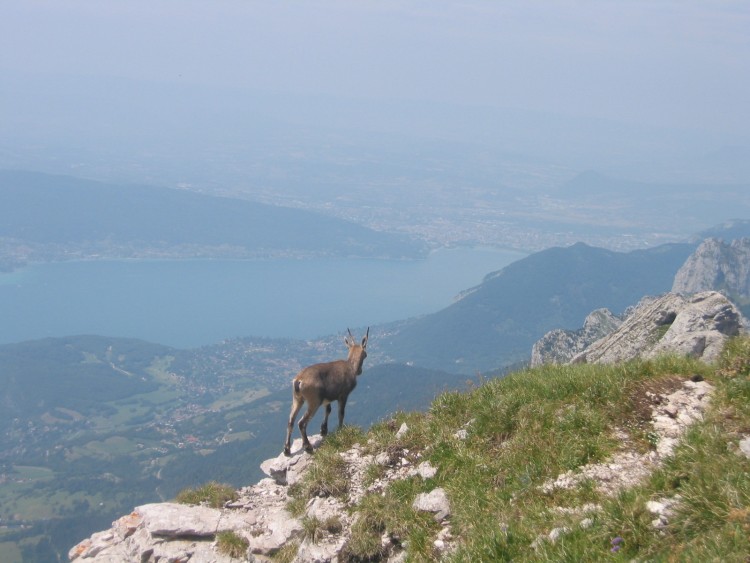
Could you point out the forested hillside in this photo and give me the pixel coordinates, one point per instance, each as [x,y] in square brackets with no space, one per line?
[496,323]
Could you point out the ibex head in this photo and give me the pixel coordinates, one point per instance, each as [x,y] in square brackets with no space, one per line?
[357,352]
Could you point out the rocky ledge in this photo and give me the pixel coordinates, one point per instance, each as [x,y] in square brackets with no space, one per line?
[176,533]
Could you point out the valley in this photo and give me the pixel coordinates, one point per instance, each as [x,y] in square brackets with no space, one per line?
[79,454]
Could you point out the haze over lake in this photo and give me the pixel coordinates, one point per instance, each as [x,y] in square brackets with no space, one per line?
[192,303]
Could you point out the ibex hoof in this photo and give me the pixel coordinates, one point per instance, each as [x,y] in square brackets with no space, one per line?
[309,448]
[287,451]
[323,430]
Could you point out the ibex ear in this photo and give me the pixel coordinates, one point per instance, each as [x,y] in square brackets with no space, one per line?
[364,340]
[349,340]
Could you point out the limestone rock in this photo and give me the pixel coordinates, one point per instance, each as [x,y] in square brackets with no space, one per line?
[326,547]
[716,265]
[286,470]
[324,508]
[623,470]
[663,510]
[425,470]
[278,529]
[678,410]
[178,520]
[560,346]
[436,501]
[696,325]
[745,446]
[556,533]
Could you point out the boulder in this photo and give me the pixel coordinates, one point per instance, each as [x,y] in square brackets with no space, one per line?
[287,470]
[436,501]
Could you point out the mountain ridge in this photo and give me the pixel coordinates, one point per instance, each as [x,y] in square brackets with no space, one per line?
[719,265]
[46,217]
[496,323]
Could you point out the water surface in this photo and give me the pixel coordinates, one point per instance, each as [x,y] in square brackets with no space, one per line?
[191,303]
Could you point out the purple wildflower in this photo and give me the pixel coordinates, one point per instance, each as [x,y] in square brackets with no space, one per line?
[616,544]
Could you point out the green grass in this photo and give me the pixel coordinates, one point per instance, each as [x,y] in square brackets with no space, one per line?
[314,528]
[213,494]
[327,476]
[229,543]
[286,554]
[538,423]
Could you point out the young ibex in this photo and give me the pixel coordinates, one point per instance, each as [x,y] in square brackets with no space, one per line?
[321,384]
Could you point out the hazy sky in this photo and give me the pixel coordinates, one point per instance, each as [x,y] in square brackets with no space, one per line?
[661,77]
[673,62]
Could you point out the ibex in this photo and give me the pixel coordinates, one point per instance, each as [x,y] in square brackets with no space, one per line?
[321,384]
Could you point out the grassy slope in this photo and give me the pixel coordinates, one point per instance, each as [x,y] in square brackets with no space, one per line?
[536,424]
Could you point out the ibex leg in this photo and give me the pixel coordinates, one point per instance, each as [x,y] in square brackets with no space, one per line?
[311,410]
[296,406]
[342,408]
[324,426]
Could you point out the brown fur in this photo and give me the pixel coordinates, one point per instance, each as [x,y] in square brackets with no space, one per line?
[322,384]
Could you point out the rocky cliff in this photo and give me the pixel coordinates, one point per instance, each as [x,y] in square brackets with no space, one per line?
[560,346]
[696,326]
[717,265]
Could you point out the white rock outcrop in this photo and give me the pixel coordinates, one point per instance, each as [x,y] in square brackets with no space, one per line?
[180,533]
[696,325]
[287,470]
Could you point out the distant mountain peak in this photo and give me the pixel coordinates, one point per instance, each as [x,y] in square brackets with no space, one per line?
[717,265]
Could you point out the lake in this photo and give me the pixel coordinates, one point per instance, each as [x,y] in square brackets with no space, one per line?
[191,303]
